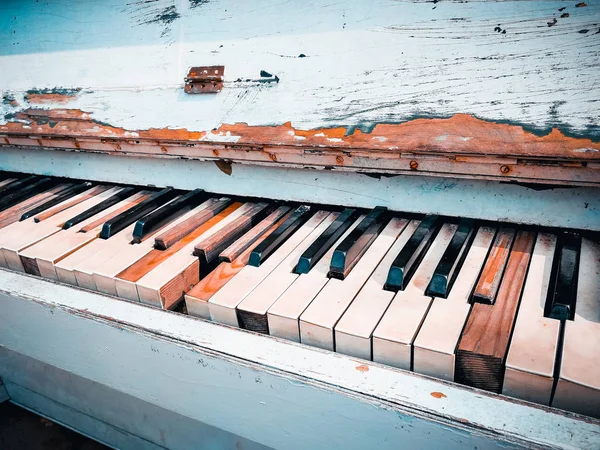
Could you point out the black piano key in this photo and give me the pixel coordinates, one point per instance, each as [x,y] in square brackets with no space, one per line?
[110,201]
[125,219]
[279,236]
[37,186]
[347,254]
[565,288]
[18,184]
[61,197]
[412,253]
[170,211]
[320,246]
[445,273]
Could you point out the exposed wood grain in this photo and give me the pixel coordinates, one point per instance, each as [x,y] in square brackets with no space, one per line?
[71,202]
[166,285]
[165,240]
[140,268]
[208,250]
[134,200]
[484,342]
[197,298]
[14,213]
[491,275]
[251,237]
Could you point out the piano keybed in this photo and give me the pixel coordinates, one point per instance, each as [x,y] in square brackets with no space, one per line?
[501,307]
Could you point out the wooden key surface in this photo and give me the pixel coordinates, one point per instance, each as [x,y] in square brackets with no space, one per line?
[90,193]
[489,281]
[197,298]
[484,342]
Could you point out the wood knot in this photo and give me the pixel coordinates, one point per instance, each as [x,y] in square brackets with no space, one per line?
[163,149]
[76,144]
[414,165]
[339,159]
[438,395]
[273,157]
[362,368]
[504,168]
[216,152]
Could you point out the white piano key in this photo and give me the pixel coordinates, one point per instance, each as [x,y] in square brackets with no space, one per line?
[165,285]
[320,317]
[223,304]
[578,387]
[394,336]
[284,315]
[438,337]
[255,305]
[354,330]
[24,234]
[532,352]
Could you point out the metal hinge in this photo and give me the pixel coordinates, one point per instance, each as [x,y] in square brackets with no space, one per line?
[204,80]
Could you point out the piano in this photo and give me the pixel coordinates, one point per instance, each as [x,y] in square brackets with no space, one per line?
[231,225]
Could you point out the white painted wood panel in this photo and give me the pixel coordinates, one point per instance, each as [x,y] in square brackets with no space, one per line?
[245,372]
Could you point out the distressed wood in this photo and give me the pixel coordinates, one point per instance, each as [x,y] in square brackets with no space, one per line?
[483,345]
[196,299]
[164,286]
[20,235]
[13,214]
[578,387]
[557,207]
[69,203]
[491,275]
[174,234]
[435,345]
[47,252]
[178,351]
[251,237]
[482,115]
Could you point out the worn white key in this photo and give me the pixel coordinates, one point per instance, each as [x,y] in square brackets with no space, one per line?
[51,250]
[223,304]
[283,317]
[394,336]
[438,337]
[578,387]
[532,353]
[165,285]
[354,330]
[252,311]
[318,321]
[106,276]
[20,235]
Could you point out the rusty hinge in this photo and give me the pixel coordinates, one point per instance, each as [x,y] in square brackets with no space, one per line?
[204,79]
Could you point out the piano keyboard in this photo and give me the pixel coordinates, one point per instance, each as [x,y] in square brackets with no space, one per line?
[501,307]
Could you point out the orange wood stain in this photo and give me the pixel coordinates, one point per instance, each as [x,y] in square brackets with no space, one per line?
[140,268]
[41,99]
[461,133]
[362,368]
[224,272]
[438,395]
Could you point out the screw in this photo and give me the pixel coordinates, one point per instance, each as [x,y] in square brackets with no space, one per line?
[339,159]
[273,157]
[504,168]
[414,165]
[216,152]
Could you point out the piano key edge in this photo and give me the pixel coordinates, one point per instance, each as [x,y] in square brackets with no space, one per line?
[137,339]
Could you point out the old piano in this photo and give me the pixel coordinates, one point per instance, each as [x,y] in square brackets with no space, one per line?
[362,224]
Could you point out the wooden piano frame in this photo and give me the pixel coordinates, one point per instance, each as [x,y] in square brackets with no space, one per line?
[471,109]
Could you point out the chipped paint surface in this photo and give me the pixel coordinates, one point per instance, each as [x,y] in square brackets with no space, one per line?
[460,134]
